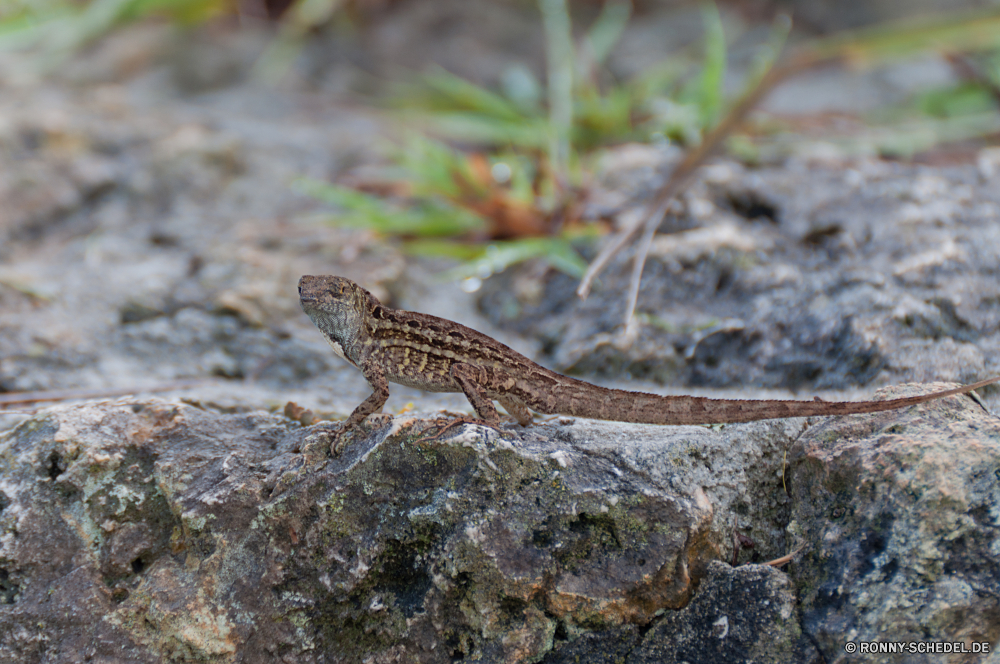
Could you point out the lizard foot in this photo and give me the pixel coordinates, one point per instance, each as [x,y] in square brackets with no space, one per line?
[328,434]
[444,425]
[339,439]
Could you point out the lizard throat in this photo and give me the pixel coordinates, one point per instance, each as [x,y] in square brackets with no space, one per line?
[338,350]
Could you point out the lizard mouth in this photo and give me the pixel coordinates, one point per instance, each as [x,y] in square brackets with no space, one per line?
[306,297]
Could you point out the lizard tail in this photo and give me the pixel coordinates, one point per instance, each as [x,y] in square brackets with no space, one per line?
[578,399]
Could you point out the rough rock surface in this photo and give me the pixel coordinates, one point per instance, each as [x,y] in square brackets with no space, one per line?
[900,517]
[739,615]
[805,276]
[153,530]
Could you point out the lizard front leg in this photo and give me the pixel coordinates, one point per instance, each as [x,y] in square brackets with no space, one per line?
[373,404]
[375,376]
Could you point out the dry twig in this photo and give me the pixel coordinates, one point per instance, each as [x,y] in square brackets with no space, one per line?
[785,559]
[682,176]
[971,30]
[859,47]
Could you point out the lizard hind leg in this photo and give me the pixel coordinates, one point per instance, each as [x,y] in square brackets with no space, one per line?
[470,379]
[517,409]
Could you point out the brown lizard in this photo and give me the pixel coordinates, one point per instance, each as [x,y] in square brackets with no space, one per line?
[438,355]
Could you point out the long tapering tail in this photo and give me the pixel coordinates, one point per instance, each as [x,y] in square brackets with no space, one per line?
[582,399]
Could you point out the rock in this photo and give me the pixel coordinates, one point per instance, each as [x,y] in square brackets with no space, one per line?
[147,530]
[743,614]
[802,276]
[899,513]
[611,646]
[43,193]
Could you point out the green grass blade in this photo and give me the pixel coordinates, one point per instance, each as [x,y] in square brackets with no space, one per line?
[455,93]
[607,29]
[714,69]
[429,217]
[955,31]
[497,257]
[560,63]
[527,133]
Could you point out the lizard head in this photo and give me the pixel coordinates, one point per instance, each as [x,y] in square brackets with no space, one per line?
[335,305]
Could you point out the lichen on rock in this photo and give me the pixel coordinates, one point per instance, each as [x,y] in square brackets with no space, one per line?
[149,530]
[196,536]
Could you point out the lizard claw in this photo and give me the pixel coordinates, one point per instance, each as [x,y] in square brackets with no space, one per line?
[443,425]
[338,441]
[337,435]
[331,434]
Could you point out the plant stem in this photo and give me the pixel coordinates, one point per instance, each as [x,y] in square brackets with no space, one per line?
[559,55]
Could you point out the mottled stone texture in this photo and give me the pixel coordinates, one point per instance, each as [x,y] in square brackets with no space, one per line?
[803,277]
[147,531]
[901,521]
[157,531]
[738,616]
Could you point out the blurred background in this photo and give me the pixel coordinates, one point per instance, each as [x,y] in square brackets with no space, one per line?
[169,168]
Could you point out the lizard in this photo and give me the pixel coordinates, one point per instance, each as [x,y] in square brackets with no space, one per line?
[438,355]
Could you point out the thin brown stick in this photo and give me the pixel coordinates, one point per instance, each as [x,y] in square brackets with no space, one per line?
[638,263]
[606,254]
[67,395]
[785,559]
[684,172]
[848,47]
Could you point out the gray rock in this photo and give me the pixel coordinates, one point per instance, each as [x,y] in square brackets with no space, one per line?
[743,614]
[147,530]
[611,646]
[899,516]
[153,531]
[805,276]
